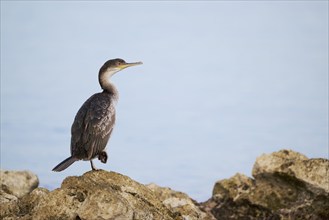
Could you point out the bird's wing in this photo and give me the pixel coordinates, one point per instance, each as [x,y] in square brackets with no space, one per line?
[93,125]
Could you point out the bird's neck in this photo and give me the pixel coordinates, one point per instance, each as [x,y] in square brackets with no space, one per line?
[109,87]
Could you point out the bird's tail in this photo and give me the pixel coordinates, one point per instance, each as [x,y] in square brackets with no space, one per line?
[65,164]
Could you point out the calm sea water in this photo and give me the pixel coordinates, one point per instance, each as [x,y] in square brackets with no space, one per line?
[186,143]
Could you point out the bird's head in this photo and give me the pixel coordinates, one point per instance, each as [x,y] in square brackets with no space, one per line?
[111,67]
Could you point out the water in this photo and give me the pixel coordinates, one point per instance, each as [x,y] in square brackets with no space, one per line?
[220,85]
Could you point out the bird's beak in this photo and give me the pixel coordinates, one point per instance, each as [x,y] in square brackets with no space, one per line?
[130,64]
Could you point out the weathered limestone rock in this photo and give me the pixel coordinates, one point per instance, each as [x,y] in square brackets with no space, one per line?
[180,203]
[233,187]
[313,172]
[94,195]
[231,200]
[287,185]
[6,197]
[16,184]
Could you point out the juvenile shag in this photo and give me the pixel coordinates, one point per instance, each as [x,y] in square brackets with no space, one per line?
[94,122]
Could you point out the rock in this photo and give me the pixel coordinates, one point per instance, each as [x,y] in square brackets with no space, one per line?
[6,197]
[231,200]
[233,187]
[16,184]
[94,195]
[311,172]
[286,185]
[180,203]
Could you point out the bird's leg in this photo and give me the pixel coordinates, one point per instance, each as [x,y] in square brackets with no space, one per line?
[92,165]
[102,156]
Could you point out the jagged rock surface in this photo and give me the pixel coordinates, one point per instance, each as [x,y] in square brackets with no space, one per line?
[286,185]
[16,184]
[180,203]
[94,195]
[314,173]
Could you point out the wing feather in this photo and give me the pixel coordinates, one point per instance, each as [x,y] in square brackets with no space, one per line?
[93,126]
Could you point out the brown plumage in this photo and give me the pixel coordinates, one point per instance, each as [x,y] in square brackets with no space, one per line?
[94,122]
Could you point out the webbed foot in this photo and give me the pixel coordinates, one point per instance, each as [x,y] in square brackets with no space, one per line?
[102,156]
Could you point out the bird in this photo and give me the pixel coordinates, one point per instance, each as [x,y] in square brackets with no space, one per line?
[94,122]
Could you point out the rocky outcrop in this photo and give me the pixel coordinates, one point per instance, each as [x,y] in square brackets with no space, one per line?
[104,195]
[287,163]
[286,185]
[94,195]
[16,184]
[180,203]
